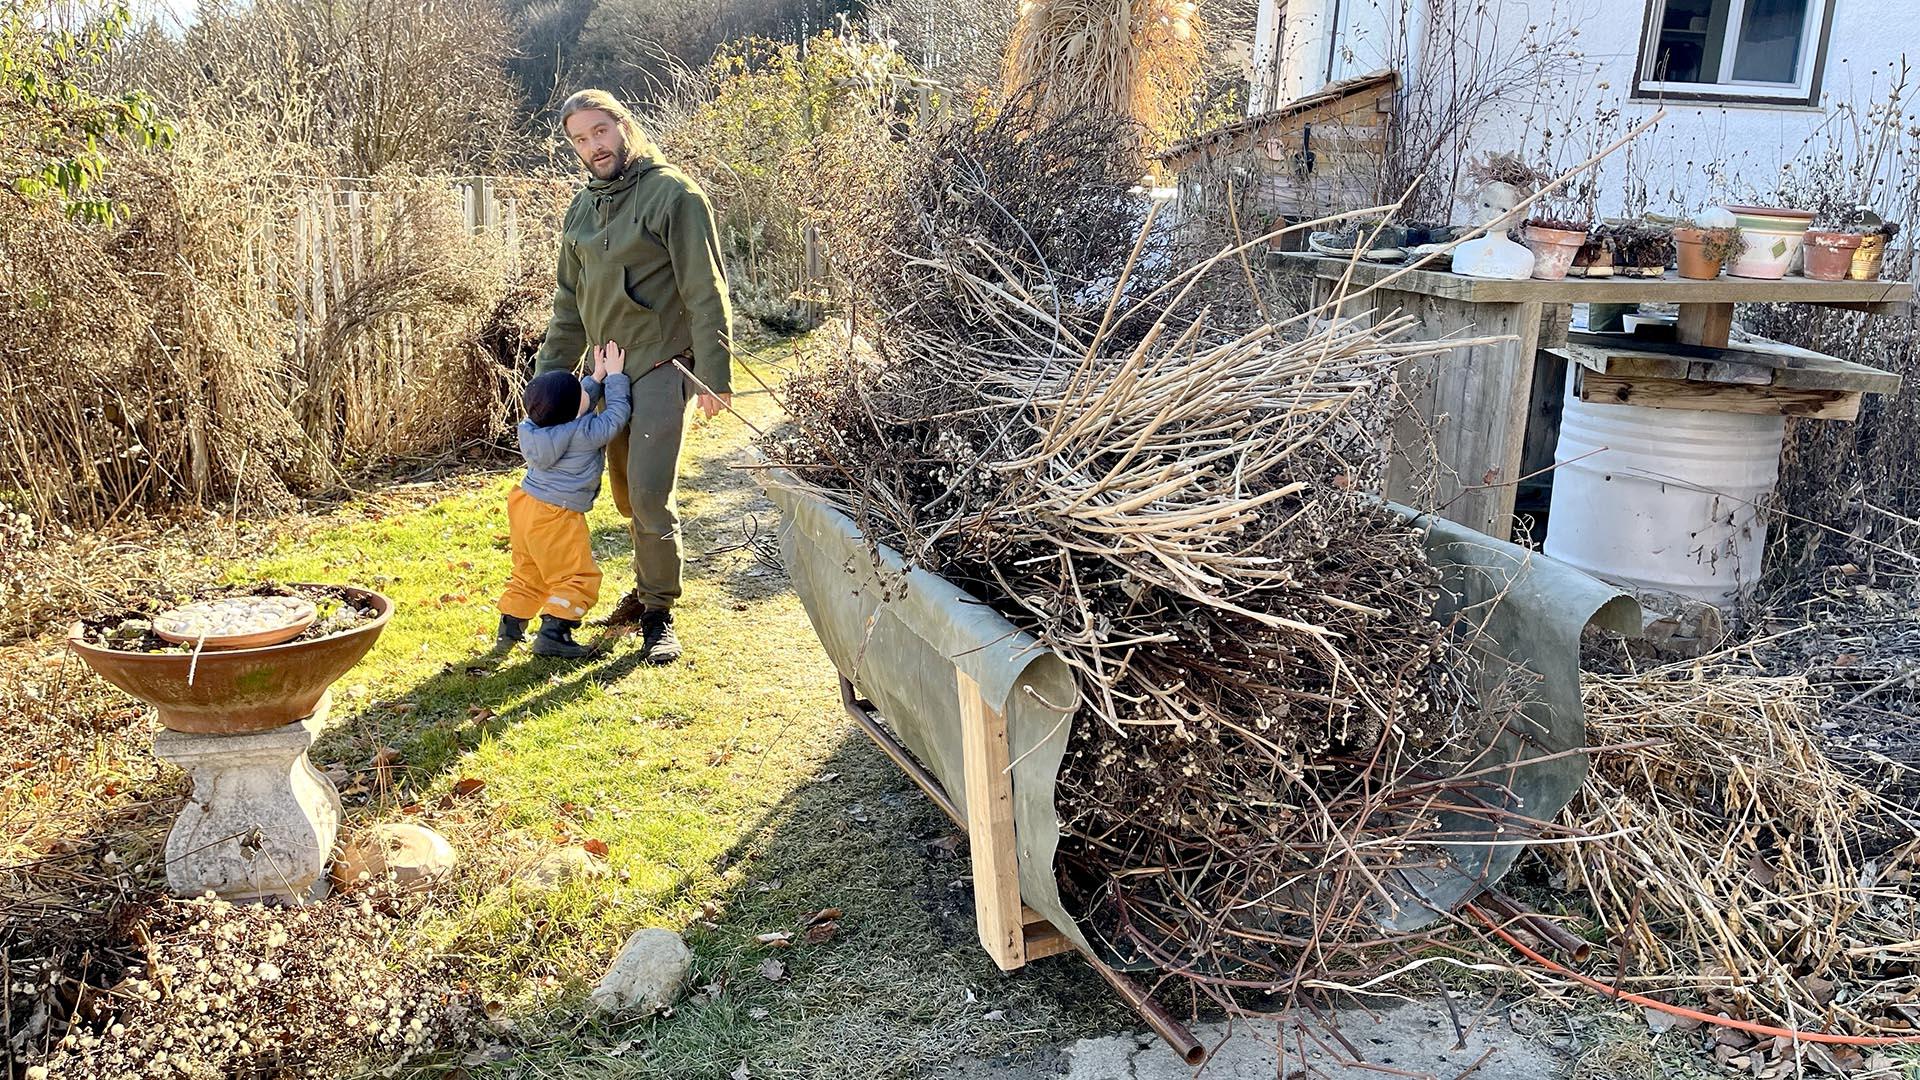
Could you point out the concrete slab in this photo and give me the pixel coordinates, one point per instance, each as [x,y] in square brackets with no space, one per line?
[1413,1041]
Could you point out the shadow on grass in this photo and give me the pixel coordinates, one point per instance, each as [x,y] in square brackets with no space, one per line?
[731,514]
[456,709]
[900,986]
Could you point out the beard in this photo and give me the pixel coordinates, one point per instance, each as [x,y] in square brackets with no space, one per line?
[610,167]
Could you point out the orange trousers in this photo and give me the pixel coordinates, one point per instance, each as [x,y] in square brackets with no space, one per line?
[553,568]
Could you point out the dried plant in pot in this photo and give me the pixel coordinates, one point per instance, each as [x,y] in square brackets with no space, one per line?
[1641,248]
[1554,242]
[1701,250]
[1594,259]
[1875,234]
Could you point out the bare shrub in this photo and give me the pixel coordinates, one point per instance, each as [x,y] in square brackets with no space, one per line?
[636,47]
[245,335]
[957,43]
[369,84]
[755,126]
[1850,491]
[1030,201]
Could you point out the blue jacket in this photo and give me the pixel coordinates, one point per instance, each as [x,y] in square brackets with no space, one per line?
[564,461]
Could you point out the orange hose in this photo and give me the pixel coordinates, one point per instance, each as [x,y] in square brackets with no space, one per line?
[1693,1014]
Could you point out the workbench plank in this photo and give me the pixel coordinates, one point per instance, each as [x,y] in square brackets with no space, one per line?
[989,808]
[1881,297]
[1790,366]
[1718,397]
[1612,362]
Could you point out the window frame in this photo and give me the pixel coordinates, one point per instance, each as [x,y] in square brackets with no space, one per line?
[1805,94]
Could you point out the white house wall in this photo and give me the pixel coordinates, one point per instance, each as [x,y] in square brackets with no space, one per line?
[1698,155]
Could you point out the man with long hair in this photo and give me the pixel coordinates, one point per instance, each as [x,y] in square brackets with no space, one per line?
[640,267]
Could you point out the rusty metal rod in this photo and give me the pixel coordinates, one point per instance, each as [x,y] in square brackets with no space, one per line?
[863,714]
[1170,1030]
[1572,946]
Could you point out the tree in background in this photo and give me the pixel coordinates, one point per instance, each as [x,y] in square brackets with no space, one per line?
[353,86]
[957,43]
[545,64]
[54,130]
[635,47]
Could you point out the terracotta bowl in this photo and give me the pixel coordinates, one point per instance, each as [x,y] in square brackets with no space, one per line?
[235,691]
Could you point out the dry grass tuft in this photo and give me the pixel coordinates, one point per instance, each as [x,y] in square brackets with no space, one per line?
[1139,59]
[1745,860]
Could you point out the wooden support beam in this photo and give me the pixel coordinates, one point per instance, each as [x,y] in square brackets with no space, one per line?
[989,808]
[1718,397]
[1705,324]
[1041,938]
[1042,941]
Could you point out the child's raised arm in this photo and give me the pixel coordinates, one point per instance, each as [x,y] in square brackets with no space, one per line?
[598,429]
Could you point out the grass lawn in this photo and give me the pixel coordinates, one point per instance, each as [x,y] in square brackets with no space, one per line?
[732,796]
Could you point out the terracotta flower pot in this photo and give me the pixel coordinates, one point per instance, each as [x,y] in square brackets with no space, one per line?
[1829,255]
[1553,250]
[1691,246]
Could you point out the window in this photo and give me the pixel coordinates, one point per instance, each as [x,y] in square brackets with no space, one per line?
[1763,51]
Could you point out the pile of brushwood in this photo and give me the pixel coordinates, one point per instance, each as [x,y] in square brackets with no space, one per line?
[1172,502]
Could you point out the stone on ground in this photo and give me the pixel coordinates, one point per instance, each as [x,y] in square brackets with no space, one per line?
[647,977]
[414,856]
[559,866]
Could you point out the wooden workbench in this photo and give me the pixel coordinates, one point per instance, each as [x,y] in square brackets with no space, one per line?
[1461,448]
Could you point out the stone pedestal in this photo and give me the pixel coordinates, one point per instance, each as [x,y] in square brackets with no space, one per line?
[261,822]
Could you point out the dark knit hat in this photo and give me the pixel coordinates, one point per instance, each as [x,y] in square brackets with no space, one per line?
[552,398]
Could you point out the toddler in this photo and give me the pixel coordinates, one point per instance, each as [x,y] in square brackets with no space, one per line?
[563,440]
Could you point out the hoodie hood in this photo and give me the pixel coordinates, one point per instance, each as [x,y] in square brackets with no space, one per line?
[544,447]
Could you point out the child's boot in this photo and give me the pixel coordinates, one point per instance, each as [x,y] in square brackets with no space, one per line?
[512,632]
[556,640]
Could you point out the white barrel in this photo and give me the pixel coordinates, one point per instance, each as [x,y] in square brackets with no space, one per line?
[1664,499]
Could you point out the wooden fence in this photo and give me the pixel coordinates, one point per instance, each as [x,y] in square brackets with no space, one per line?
[336,256]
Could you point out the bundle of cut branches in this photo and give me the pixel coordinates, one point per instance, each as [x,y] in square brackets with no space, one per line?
[1177,511]
[1746,861]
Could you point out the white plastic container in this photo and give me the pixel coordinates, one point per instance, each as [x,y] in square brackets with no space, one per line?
[1633,323]
[1663,499]
[1773,237]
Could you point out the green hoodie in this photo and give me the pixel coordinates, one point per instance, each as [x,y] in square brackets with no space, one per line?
[640,266]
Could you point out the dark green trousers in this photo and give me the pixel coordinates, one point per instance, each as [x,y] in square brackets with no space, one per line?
[643,465]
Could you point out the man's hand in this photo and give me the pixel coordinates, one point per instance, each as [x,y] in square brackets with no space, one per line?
[609,359]
[712,404]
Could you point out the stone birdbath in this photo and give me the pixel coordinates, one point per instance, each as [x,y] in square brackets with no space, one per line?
[241,686]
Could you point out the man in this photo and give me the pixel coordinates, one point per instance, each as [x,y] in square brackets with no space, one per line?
[640,267]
